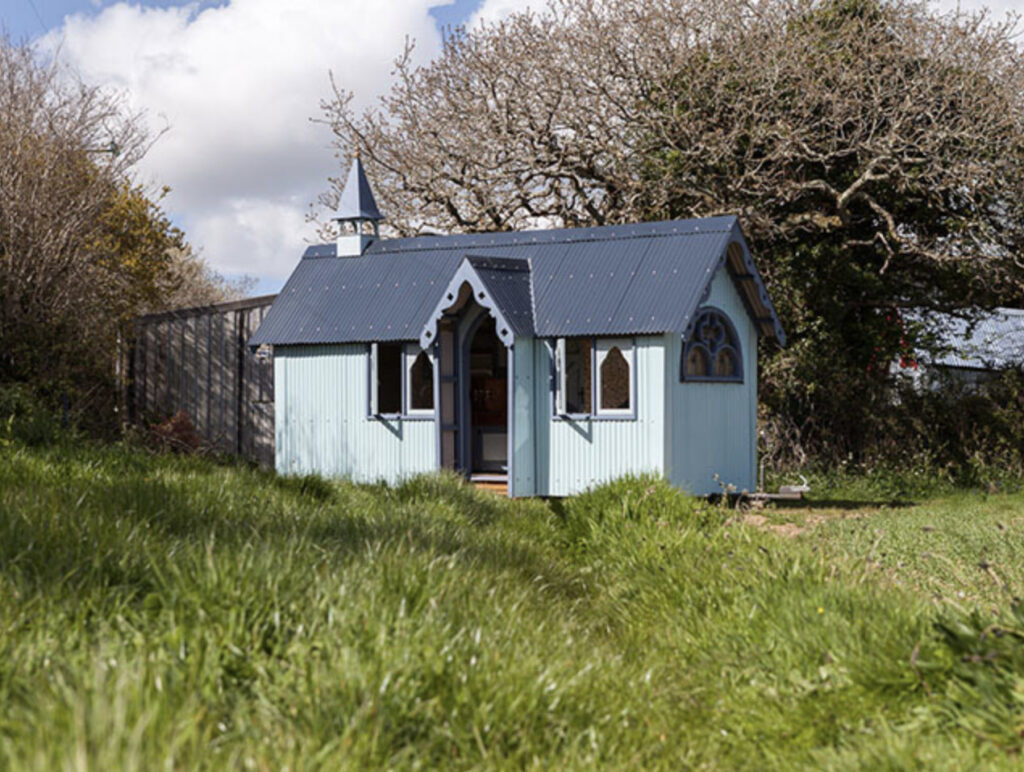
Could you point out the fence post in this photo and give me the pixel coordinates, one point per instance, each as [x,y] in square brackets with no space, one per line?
[240,404]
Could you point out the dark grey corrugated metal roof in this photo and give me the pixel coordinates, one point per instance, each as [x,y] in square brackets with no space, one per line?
[508,282]
[633,279]
[996,341]
[357,202]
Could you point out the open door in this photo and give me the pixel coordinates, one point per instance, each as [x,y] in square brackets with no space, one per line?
[486,416]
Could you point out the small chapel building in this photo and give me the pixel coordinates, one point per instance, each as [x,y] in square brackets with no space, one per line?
[545,362]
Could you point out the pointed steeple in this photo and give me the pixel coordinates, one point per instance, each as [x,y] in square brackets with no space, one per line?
[357,207]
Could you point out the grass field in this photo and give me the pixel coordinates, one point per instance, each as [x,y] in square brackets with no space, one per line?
[172,613]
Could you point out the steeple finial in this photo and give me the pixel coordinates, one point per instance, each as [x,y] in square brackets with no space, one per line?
[356,202]
[356,206]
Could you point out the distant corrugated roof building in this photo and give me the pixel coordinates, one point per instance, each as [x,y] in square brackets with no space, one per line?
[631,279]
[994,342]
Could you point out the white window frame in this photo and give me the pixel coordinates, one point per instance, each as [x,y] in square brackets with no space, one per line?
[599,348]
[407,357]
[372,406]
[602,347]
[558,350]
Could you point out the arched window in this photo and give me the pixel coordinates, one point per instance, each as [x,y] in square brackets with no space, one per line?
[421,382]
[712,352]
[615,379]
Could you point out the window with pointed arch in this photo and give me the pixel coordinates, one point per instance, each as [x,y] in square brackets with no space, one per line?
[594,378]
[712,353]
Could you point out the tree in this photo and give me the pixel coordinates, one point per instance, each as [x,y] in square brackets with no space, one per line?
[873,149]
[83,248]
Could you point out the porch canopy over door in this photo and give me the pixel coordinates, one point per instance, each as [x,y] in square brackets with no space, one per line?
[502,287]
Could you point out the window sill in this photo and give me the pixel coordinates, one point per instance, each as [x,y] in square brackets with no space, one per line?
[695,379]
[580,418]
[401,417]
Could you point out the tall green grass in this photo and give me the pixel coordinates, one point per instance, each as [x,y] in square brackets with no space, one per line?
[167,612]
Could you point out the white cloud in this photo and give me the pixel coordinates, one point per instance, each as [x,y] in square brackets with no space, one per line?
[496,10]
[240,228]
[236,85]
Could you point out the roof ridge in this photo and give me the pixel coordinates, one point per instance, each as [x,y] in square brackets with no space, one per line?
[597,233]
[499,263]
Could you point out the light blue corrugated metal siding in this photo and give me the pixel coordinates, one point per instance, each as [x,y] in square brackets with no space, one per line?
[320,396]
[714,425]
[575,455]
[523,482]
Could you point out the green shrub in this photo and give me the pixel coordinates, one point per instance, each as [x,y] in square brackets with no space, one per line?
[915,441]
[25,418]
[606,511]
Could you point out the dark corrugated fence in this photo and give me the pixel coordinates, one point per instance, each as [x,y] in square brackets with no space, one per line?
[198,360]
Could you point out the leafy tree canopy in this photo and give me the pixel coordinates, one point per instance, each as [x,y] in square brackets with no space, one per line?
[874,150]
[83,247]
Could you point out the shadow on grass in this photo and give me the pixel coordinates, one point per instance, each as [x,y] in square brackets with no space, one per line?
[849,504]
[129,526]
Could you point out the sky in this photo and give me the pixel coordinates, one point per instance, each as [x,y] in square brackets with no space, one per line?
[233,86]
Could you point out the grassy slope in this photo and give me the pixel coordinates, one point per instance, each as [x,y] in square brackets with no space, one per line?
[171,612]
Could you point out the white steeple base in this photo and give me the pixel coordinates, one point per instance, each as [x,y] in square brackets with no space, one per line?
[353,244]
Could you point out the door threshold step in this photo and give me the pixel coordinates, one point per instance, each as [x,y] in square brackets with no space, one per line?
[501,489]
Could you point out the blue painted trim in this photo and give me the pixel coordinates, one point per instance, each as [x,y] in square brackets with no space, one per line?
[437,405]
[510,419]
[403,377]
[467,274]
[752,275]
[732,341]
[369,380]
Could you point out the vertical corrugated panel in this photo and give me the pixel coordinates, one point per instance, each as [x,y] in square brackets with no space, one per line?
[231,384]
[188,361]
[714,425]
[223,380]
[320,397]
[575,455]
[262,404]
[542,404]
[523,483]
[195,369]
[173,377]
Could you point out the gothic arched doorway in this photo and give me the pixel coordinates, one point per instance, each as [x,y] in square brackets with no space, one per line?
[485,383]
